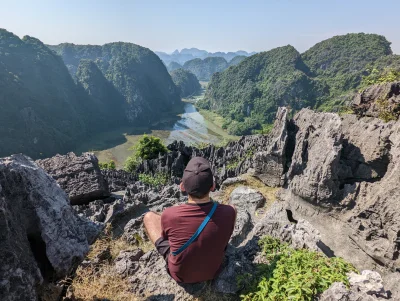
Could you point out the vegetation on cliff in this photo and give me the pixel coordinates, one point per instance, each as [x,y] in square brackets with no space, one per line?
[248,94]
[136,73]
[291,274]
[204,69]
[42,110]
[186,81]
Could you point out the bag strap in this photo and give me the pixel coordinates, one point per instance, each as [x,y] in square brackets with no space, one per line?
[198,231]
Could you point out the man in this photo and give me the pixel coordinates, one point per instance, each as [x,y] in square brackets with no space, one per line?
[191,258]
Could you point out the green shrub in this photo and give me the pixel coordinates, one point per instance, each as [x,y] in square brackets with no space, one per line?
[149,147]
[107,165]
[386,112]
[376,76]
[156,180]
[296,275]
[131,163]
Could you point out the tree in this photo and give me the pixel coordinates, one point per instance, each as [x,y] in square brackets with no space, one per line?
[149,147]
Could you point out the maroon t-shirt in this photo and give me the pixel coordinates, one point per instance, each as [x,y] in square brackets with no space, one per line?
[203,258]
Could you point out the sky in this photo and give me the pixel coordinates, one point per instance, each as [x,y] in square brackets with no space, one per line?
[213,25]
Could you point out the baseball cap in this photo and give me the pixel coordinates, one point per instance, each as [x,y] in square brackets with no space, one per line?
[197,177]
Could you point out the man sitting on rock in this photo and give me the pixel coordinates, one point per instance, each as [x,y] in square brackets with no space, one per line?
[192,237]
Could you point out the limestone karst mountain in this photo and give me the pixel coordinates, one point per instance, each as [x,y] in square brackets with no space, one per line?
[324,77]
[44,112]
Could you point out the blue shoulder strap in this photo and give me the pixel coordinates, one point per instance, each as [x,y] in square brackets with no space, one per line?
[199,230]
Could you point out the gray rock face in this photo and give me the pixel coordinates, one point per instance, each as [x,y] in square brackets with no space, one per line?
[269,164]
[350,168]
[40,235]
[313,174]
[79,176]
[246,202]
[367,102]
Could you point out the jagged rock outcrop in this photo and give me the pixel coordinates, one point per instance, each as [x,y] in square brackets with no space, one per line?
[262,155]
[378,99]
[79,176]
[40,237]
[343,180]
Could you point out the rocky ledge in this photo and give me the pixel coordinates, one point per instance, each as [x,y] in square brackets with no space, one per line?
[336,177]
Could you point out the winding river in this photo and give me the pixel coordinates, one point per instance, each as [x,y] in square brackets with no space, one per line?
[190,127]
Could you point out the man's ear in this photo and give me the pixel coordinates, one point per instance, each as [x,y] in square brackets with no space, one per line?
[213,187]
[182,187]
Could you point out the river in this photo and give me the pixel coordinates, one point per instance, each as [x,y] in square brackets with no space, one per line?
[191,127]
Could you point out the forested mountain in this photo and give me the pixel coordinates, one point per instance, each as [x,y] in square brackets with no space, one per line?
[204,69]
[44,111]
[106,99]
[173,66]
[136,73]
[188,54]
[236,60]
[186,81]
[248,94]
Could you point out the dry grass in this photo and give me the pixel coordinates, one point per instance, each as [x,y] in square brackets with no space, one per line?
[268,192]
[101,282]
[89,285]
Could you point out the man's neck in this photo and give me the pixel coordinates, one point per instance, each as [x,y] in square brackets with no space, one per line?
[198,201]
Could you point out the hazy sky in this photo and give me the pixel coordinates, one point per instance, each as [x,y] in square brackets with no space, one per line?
[214,25]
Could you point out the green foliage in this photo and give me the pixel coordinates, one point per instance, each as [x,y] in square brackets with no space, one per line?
[297,275]
[387,112]
[131,164]
[186,81]
[233,164]
[156,180]
[149,147]
[321,78]
[204,69]
[376,76]
[237,60]
[107,165]
[133,71]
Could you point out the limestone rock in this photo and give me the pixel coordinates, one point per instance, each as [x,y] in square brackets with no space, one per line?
[368,282]
[126,263]
[39,232]
[79,176]
[269,164]
[367,102]
[313,173]
[246,201]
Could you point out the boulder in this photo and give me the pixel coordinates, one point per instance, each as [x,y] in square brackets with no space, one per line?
[41,238]
[79,176]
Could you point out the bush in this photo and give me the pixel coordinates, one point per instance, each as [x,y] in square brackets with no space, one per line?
[297,275]
[131,163]
[379,77]
[149,147]
[107,165]
[156,180]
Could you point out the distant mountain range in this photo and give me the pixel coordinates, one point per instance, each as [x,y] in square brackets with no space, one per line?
[188,54]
